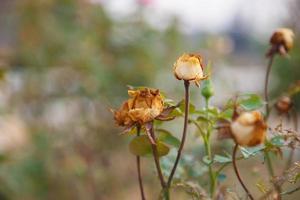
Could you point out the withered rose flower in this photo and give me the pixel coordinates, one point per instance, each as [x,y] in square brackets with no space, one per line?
[284,104]
[189,67]
[143,106]
[282,40]
[249,129]
[121,116]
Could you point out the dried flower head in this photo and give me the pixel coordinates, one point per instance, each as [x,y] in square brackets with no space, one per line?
[121,115]
[143,106]
[249,129]
[284,104]
[189,67]
[282,41]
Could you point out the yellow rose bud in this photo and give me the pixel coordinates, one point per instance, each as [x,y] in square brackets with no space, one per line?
[249,129]
[189,67]
[283,37]
[143,106]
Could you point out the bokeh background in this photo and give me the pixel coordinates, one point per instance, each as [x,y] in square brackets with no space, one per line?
[64,63]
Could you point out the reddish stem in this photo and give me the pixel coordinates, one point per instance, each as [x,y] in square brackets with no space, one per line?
[237,172]
[156,159]
[186,115]
[138,164]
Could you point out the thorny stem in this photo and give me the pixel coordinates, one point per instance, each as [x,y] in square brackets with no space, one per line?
[157,164]
[237,172]
[138,164]
[267,85]
[186,116]
[266,94]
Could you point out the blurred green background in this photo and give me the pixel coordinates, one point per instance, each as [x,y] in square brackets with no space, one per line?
[64,63]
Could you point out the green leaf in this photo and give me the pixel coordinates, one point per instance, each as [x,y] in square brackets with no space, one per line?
[207,115]
[202,118]
[141,146]
[167,137]
[222,159]
[277,141]
[213,111]
[162,149]
[247,152]
[176,113]
[226,114]
[207,161]
[252,102]
[181,107]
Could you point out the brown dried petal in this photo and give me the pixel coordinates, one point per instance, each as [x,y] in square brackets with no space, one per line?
[143,106]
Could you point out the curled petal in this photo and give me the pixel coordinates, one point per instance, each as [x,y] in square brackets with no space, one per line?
[144,105]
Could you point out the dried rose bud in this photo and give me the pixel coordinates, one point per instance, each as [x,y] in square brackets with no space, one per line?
[189,67]
[284,104]
[249,129]
[143,106]
[282,40]
[121,115]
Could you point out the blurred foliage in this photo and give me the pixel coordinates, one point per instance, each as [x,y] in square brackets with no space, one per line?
[55,33]
[288,72]
[70,63]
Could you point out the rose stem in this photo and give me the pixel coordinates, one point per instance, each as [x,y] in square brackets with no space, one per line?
[267,85]
[186,115]
[138,164]
[208,153]
[267,156]
[266,94]
[157,164]
[237,172]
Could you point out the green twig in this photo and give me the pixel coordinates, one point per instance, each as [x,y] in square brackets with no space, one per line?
[290,191]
